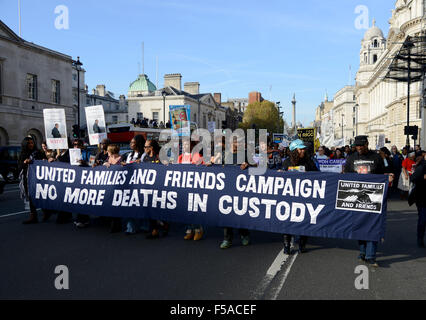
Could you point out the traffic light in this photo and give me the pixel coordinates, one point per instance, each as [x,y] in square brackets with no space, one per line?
[75,130]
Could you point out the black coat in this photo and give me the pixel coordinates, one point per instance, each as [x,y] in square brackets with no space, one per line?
[418,177]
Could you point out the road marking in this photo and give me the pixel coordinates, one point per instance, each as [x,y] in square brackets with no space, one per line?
[14,214]
[284,278]
[273,270]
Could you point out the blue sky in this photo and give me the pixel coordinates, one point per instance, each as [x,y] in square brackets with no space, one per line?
[232,47]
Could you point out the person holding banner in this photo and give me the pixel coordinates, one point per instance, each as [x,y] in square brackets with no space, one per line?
[418,178]
[102,155]
[152,151]
[298,161]
[114,159]
[136,156]
[365,161]
[193,232]
[28,154]
[231,158]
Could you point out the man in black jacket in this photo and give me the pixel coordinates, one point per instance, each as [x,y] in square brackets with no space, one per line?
[365,161]
[419,179]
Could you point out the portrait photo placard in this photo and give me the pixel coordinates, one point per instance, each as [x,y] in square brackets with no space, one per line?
[95,119]
[55,127]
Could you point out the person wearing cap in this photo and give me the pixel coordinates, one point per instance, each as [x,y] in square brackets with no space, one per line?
[298,161]
[365,161]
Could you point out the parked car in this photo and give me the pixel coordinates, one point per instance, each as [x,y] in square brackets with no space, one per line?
[2,184]
[9,156]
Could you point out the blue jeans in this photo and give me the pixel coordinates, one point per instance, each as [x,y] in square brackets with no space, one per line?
[421,223]
[368,249]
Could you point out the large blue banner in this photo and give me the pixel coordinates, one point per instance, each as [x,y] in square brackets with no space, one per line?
[348,206]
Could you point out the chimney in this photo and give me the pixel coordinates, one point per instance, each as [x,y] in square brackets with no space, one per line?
[255,97]
[173,80]
[192,87]
[218,98]
[100,89]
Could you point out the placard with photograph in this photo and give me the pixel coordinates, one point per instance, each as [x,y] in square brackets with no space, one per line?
[55,127]
[75,156]
[180,120]
[95,119]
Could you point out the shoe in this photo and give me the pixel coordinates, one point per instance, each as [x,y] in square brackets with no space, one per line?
[372,263]
[189,235]
[287,249]
[32,220]
[225,244]
[420,243]
[245,240]
[46,216]
[302,249]
[361,257]
[154,234]
[164,228]
[198,234]
[81,225]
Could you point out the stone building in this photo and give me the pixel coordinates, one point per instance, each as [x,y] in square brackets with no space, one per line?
[31,78]
[116,110]
[380,106]
[146,101]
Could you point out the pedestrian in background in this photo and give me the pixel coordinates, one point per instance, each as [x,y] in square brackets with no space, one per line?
[29,153]
[419,180]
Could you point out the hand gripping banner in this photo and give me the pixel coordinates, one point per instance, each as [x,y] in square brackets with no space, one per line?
[348,206]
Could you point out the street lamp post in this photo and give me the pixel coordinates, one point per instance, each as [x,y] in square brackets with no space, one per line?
[77,64]
[342,126]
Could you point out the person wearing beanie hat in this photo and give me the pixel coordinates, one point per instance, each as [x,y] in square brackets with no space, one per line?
[365,161]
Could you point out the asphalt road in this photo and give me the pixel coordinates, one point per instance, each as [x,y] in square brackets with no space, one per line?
[115,266]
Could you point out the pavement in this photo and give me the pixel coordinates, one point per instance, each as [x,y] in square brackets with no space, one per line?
[115,266]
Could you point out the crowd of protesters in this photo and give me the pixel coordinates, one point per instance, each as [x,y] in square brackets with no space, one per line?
[405,169]
[146,123]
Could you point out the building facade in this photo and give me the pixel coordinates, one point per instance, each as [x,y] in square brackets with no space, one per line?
[381,104]
[145,101]
[375,106]
[32,78]
[115,110]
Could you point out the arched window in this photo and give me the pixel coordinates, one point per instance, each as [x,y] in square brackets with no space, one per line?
[375,58]
[375,43]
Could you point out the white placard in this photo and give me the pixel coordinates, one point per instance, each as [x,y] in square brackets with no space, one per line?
[95,119]
[55,128]
[75,156]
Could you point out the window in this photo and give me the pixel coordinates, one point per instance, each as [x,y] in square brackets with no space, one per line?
[375,44]
[139,116]
[354,120]
[115,119]
[375,58]
[32,86]
[74,77]
[155,116]
[56,91]
[117,107]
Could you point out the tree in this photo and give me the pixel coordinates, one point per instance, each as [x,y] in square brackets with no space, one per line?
[264,115]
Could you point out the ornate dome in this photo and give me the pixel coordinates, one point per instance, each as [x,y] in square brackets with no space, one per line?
[142,83]
[373,32]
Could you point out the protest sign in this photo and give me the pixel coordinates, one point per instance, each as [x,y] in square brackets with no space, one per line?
[95,119]
[310,203]
[307,135]
[55,127]
[331,165]
[75,156]
[180,120]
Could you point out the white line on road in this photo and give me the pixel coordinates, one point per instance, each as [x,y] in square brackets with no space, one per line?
[275,267]
[14,214]
[284,278]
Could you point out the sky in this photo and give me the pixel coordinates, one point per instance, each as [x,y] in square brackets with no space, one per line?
[279,48]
